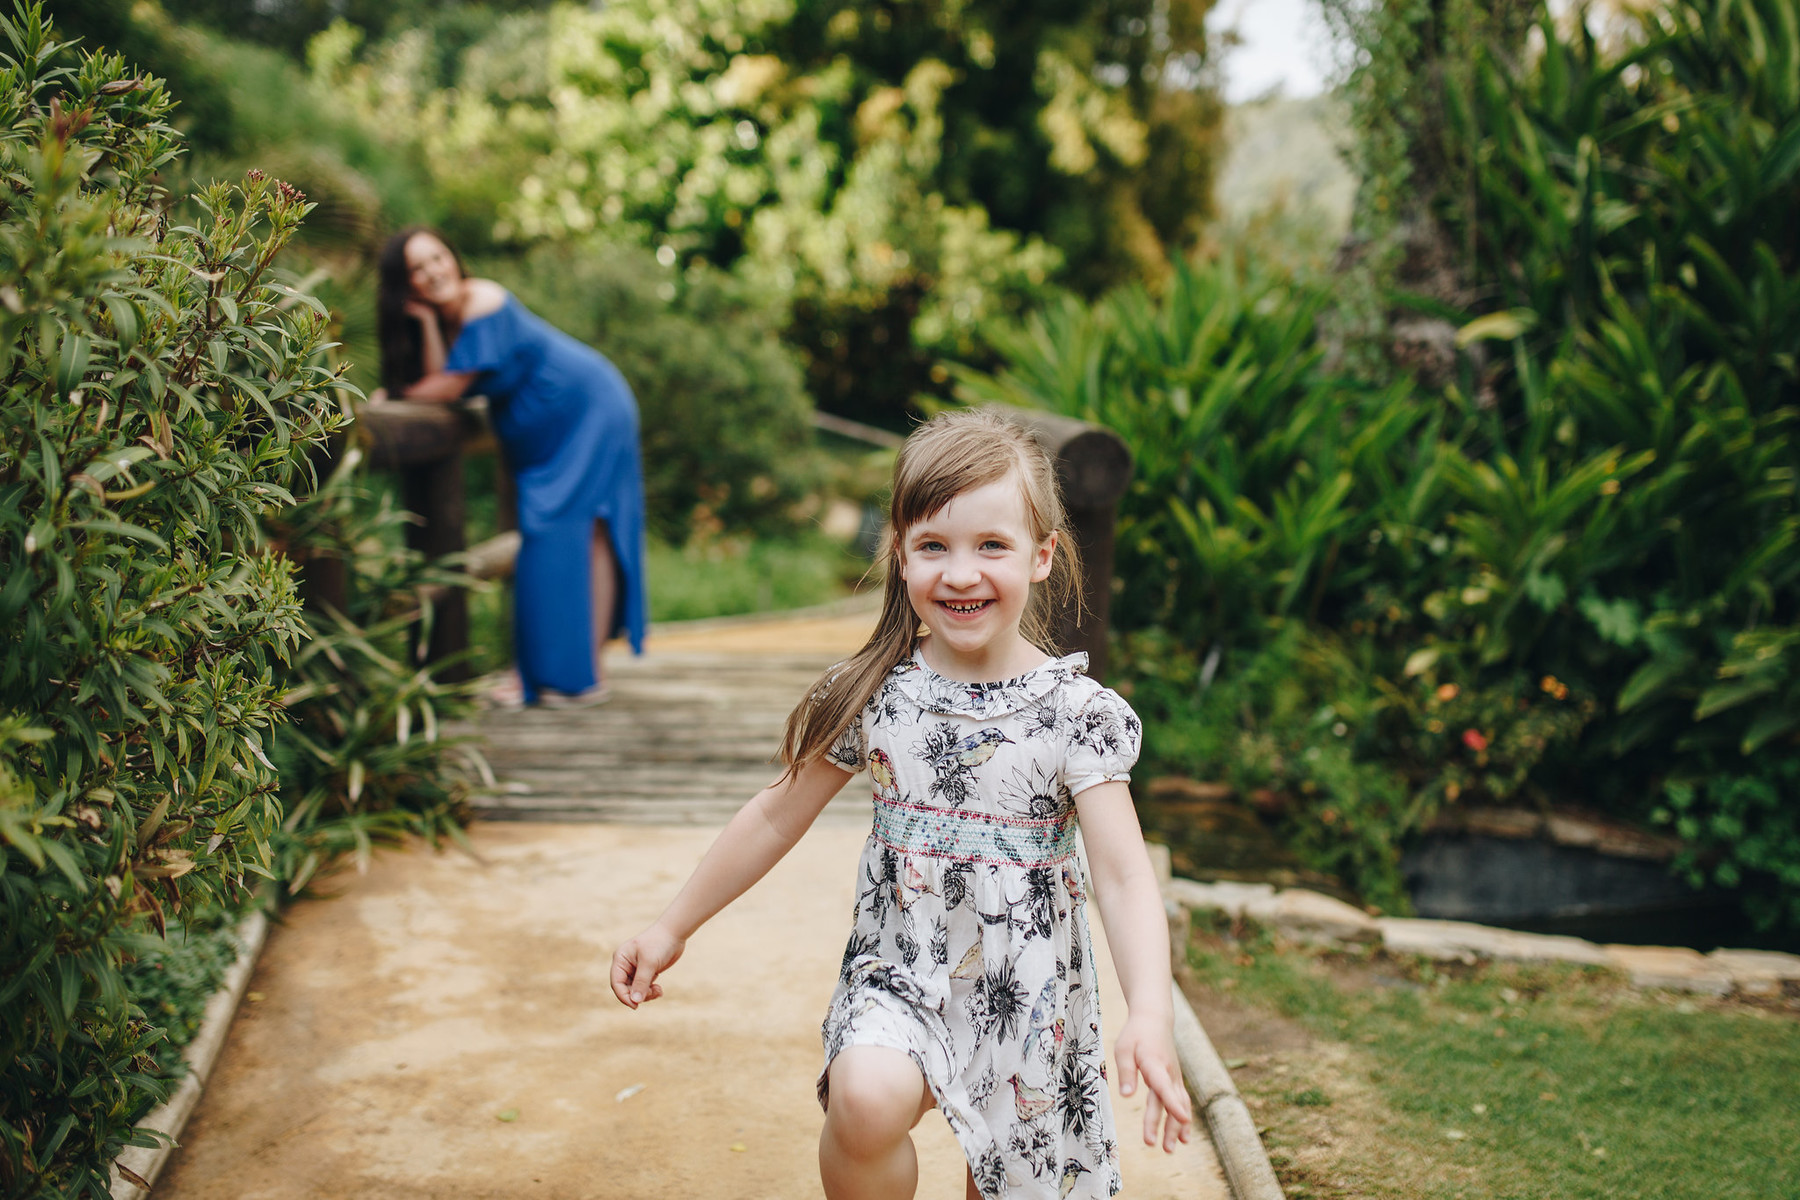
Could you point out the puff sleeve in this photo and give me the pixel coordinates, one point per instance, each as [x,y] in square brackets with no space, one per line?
[1103,740]
[851,748]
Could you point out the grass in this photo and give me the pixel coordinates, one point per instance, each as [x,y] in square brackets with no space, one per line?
[729,577]
[1382,1077]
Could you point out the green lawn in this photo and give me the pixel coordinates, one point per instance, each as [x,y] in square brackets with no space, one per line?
[727,578]
[1384,1077]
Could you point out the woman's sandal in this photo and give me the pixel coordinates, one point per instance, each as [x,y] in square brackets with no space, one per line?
[508,694]
[592,698]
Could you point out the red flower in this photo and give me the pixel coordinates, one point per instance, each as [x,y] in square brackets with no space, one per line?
[1473,740]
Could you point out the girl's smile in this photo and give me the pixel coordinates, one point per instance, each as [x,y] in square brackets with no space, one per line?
[968,569]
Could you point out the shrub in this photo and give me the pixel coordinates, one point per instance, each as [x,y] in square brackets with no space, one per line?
[160,389]
[1568,576]
[363,758]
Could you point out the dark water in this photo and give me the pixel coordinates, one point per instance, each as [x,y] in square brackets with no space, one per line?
[1534,886]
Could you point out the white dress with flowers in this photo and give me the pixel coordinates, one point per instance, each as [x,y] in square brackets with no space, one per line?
[970,951]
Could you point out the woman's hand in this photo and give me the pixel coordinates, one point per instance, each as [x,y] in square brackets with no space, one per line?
[378,396]
[420,311]
[638,962]
[1146,1047]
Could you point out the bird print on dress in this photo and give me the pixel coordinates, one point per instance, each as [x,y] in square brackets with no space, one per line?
[1031,1102]
[881,770]
[954,759]
[971,947]
[1043,1016]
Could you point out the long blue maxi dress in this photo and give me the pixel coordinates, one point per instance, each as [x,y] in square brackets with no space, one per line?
[568,425]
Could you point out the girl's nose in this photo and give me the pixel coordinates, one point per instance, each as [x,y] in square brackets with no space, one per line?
[962,571]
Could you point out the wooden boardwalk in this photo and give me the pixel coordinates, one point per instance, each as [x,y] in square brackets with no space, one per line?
[691,732]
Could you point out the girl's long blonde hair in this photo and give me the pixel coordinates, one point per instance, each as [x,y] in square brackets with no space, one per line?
[952,453]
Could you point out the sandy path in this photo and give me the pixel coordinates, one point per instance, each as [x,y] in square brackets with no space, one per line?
[400,1022]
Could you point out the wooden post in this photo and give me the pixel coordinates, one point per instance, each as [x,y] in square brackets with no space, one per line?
[1093,467]
[434,490]
[425,442]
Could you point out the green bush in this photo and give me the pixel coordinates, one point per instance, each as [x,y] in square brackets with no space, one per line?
[363,758]
[727,438]
[160,390]
[1570,575]
[1631,500]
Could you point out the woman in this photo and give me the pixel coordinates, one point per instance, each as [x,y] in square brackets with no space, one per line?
[569,428]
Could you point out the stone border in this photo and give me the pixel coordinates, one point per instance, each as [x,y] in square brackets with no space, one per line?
[1248,1173]
[171,1116]
[1241,1153]
[1312,917]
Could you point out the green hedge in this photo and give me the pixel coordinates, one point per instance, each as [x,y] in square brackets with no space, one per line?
[160,390]
[1570,576]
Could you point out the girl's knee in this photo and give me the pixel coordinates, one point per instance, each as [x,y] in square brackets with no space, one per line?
[875,1097]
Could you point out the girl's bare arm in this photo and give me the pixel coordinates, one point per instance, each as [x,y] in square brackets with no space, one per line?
[759,835]
[1138,932]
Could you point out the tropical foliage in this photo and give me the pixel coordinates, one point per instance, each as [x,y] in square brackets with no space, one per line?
[1566,575]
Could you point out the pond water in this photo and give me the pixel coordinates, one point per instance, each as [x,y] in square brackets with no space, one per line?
[1524,884]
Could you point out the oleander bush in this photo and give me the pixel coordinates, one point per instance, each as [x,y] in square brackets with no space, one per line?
[161,388]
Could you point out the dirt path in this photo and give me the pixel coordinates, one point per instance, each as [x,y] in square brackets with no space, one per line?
[443,1028]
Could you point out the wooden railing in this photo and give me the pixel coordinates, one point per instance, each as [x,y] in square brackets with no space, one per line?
[426,444]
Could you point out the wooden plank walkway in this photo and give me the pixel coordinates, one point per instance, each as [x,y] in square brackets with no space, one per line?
[691,733]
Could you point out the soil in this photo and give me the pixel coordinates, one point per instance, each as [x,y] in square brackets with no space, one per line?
[444,1029]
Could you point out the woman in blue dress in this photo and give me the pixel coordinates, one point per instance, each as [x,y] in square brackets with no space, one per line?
[568,426]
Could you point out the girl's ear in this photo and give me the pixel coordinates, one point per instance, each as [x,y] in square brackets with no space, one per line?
[1044,558]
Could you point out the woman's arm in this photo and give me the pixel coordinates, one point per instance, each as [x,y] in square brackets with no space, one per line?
[756,839]
[440,386]
[1138,932]
[432,350]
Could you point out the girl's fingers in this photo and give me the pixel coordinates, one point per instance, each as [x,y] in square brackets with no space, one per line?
[1171,1095]
[1153,1116]
[624,966]
[1128,1071]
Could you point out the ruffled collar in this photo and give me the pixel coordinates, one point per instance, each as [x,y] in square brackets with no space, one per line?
[983,701]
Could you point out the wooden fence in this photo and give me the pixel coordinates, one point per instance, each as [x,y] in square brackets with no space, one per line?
[426,444]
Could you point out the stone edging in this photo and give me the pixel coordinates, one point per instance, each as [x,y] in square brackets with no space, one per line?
[172,1114]
[1227,1117]
[1312,917]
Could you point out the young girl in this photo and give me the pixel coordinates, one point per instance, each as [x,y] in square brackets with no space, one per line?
[968,983]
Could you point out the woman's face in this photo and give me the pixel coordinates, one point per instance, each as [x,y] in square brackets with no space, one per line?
[432,271]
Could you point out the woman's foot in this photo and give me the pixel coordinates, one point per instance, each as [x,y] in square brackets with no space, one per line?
[505,691]
[596,695]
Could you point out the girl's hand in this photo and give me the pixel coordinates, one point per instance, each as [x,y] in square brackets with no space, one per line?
[419,311]
[638,962]
[378,396]
[1146,1047]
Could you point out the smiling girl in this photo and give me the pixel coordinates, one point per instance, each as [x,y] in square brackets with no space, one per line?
[968,983]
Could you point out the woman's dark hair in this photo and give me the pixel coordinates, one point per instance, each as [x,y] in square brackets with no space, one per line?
[402,351]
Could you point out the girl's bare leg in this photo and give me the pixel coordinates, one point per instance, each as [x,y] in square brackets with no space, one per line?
[605,597]
[876,1096]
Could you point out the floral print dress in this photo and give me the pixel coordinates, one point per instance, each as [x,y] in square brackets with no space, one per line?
[970,951]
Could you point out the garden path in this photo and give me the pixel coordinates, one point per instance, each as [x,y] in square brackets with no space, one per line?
[442,1026]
